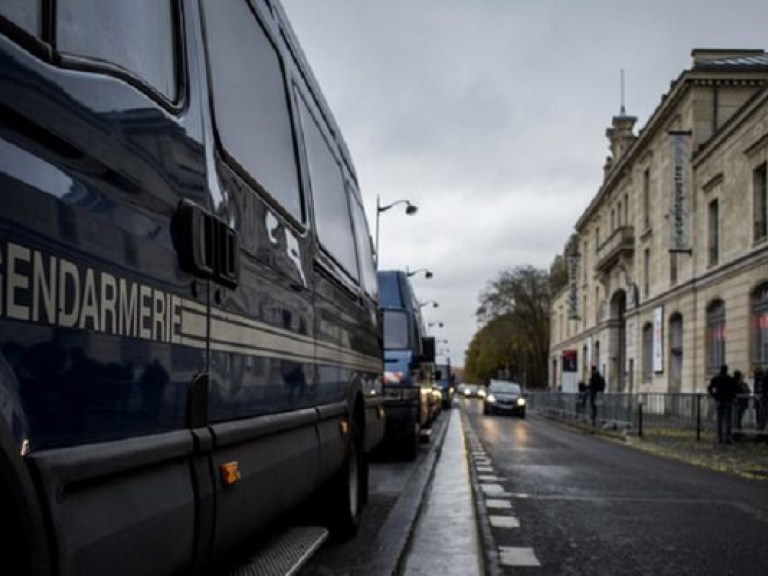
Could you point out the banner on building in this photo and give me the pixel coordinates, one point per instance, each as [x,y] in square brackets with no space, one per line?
[570,361]
[574,273]
[658,339]
[680,200]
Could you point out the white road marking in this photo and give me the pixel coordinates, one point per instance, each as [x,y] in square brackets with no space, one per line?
[484,469]
[489,478]
[504,521]
[498,504]
[492,488]
[511,556]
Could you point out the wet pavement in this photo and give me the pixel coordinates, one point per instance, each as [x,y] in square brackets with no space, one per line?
[445,541]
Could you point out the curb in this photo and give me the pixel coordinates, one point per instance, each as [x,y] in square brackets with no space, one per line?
[397,531]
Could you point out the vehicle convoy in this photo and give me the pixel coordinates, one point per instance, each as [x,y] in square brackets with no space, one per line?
[506,397]
[411,404]
[189,333]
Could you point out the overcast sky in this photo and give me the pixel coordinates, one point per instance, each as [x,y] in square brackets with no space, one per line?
[490,116]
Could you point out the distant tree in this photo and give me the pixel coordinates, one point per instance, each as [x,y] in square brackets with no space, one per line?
[558,274]
[515,337]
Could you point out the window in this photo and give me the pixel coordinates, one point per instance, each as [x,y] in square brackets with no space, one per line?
[647,353]
[138,37]
[364,247]
[395,330]
[597,239]
[250,102]
[626,209]
[26,14]
[760,201]
[760,326]
[332,217]
[713,228]
[715,336]
[646,199]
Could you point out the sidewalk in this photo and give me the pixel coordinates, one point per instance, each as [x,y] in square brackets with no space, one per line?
[445,541]
[747,457]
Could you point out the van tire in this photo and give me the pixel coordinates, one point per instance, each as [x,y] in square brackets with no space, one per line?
[347,491]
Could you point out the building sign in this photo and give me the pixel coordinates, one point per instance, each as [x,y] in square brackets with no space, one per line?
[658,343]
[574,272]
[570,361]
[679,210]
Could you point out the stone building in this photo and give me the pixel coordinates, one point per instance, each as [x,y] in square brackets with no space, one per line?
[668,265]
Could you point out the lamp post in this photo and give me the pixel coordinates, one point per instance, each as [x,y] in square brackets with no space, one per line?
[409,273]
[410,209]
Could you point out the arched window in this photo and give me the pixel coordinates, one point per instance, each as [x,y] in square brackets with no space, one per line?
[715,336]
[675,352]
[760,326]
[647,353]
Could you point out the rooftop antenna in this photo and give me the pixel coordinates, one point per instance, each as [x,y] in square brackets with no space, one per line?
[623,110]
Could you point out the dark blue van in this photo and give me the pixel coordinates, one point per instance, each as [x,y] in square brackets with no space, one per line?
[408,354]
[189,339]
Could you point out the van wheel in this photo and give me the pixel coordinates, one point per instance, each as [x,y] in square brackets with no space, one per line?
[410,444]
[347,491]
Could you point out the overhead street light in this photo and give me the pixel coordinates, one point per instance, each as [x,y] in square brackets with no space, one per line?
[409,273]
[410,209]
[434,304]
[438,324]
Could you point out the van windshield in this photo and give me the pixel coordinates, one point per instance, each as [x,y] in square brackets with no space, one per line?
[395,330]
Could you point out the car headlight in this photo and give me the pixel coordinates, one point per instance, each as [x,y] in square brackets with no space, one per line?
[490,398]
[521,401]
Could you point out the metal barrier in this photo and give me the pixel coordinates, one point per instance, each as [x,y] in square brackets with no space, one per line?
[643,411]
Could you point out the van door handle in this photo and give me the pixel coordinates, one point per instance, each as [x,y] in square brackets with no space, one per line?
[207,246]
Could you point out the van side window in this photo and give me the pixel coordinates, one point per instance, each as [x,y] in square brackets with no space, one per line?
[364,247]
[26,14]
[138,37]
[332,218]
[250,102]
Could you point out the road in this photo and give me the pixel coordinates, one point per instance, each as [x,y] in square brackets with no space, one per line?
[581,504]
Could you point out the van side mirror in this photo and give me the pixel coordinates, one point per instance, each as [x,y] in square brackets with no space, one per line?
[428,349]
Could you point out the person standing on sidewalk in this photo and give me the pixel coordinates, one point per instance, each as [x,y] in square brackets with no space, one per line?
[596,386]
[722,388]
[761,402]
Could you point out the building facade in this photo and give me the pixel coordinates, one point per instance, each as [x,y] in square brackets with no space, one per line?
[668,265]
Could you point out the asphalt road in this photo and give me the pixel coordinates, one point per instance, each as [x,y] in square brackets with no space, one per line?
[590,506]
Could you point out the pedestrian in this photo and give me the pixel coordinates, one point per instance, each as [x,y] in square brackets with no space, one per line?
[742,397]
[722,388]
[761,402]
[581,403]
[595,387]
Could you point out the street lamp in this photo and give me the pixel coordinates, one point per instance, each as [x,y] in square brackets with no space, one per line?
[434,304]
[409,273]
[438,324]
[410,209]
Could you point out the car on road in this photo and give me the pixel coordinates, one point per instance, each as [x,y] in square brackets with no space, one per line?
[504,396]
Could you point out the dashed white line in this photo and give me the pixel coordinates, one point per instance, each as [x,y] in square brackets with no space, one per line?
[504,521]
[492,488]
[498,504]
[511,556]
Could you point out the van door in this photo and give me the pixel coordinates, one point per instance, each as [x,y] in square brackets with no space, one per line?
[263,384]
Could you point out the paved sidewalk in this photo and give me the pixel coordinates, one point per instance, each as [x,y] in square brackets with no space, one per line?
[445,541]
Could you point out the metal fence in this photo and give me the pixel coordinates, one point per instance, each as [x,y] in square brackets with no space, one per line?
[644,411]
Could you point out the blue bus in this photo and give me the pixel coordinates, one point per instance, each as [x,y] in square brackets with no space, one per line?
[408,356]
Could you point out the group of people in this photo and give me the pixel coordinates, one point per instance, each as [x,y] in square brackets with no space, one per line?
[731,394]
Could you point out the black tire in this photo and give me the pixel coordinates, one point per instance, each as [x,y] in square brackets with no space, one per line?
[522,414]
[347,491]
[410,443]
[486,410]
